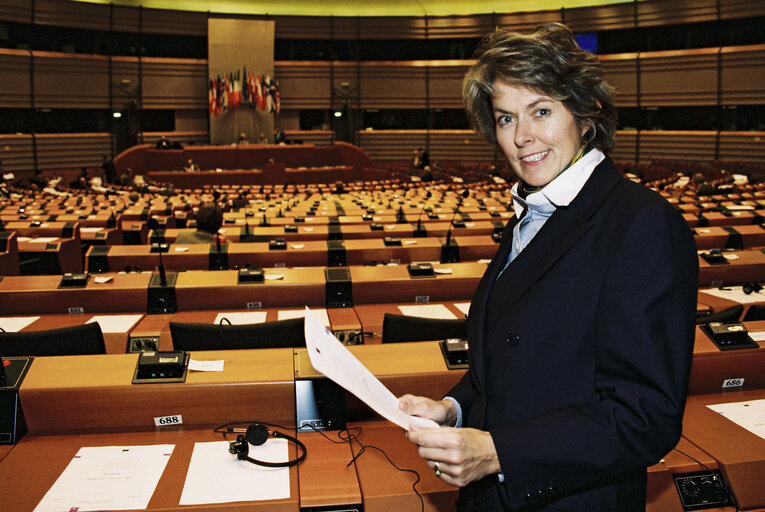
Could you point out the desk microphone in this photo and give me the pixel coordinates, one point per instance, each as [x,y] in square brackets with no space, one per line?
[153,225]
[419,217]
[217,242]
[465,193]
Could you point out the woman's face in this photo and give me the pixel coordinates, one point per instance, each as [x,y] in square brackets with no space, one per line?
[538,134]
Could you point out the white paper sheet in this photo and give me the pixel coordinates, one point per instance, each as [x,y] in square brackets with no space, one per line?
[108,478]
[321,314]
[749,415]
[428,311]
[736,294]
[242,317]
[206,366]
[16,323]
[216,476]
[115,323]
[463,306]
[331,358]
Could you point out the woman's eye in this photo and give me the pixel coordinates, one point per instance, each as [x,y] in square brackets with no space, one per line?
[542,112]
[503,120]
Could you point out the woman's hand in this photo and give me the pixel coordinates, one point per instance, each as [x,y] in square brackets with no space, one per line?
[442,412]
[458,455]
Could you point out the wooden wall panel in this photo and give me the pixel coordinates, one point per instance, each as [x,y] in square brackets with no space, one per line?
[624,147]
[16,11]
[743,75]
[748,146]
[607,17]
[526,21]
[679,78]
[303,84]
[446,83]
[127,19]
[163,21]
[15,79]
[477,25]
[72,14]
[661,12]
[174,83]
[126,80]
[72,150]
[70,81]
[16,152]
[735,9]
[393,85]
[620,70]
[443,144]
[677,145]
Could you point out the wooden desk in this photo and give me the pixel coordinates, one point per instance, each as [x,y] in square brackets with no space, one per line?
[57,256]
[739,453]
[79,393]
[371,316]
[374,285]
[711,366]
[738,237]
[40,294]
[743,267]
[326,479]
[383,487]
[36,462]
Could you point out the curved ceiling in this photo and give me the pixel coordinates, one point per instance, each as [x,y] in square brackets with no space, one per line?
[359,7]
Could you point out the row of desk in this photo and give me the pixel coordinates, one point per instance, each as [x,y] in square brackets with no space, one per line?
[76,401]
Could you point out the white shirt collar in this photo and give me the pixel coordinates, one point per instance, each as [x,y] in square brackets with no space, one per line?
[566,186]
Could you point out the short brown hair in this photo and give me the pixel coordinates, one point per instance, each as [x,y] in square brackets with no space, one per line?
[209,218]
[550,62]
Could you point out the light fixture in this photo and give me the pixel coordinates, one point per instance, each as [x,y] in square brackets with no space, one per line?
[338,113]
[116,115]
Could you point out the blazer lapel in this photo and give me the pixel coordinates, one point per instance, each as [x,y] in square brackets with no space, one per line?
[559,233]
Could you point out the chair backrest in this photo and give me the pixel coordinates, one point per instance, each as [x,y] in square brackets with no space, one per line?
[65,341]
[199,336]
[400,328]
[731,314]
[755,312]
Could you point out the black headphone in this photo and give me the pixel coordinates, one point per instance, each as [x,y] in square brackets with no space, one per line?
[257,434]
[751,288]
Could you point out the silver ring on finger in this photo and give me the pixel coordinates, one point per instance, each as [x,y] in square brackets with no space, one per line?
[437,470]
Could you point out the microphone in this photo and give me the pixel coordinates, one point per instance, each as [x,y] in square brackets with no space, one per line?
[419,232]
[153,225]
[465,193]
[217,242]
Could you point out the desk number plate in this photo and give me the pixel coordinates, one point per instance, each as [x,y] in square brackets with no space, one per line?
[732,383]
[164,421]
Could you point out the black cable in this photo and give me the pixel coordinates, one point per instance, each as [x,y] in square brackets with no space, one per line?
[731,496]
[351,437]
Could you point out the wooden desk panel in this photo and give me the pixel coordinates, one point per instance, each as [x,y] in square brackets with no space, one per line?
[67,252]
[196,290]
[372,285]
[740,454]
[86,392]
[40,294]
[711,366]
[383,487]
[9,258]
[326,479]
[748,266]
[35,464]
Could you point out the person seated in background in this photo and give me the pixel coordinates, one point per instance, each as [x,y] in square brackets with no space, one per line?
[262,139]
[209,220]
[81,181]
[279,137]
[126,179]
[163,143]
[110,171]
[242,139]
[191,166]
[702,187]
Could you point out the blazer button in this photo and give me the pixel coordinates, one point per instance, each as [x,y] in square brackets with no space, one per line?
[512,340]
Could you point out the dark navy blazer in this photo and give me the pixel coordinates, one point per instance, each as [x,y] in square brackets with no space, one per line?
[580,351]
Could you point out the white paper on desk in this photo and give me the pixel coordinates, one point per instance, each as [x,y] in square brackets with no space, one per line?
[43,240]
[206,366]
[90,229]
[216,476]
[331,358]
[428,311]
[749,415]
[108,478]
[736,294]
[321,314]
[463,306]
[757,335]
[16,323]
[242,317]
[115,323]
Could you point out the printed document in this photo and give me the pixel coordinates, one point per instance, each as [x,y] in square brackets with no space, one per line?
[108,478]
[331,358]
[749,415]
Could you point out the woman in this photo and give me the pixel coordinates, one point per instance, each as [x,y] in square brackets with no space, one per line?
[581,329]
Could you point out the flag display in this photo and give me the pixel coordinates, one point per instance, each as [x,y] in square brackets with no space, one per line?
[240,88]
